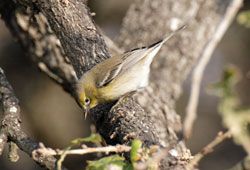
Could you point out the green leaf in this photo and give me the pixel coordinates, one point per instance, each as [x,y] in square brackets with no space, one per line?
[106,162]
[93,138]
[225,88]
[244,18]
[134,153]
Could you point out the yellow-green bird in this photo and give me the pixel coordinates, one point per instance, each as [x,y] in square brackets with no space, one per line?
[118,75]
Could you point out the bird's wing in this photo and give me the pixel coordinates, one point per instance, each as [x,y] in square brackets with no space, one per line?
[107,77]
[129,59]
[125,62]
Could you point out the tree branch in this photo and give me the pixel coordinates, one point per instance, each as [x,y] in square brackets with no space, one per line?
[11,125]
[191,110]
[148,21]
[84,46]
[42,150]
[208,149]
[73,25]
[36,37]
[120,123]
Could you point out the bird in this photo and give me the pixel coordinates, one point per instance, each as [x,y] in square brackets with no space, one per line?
[118,75]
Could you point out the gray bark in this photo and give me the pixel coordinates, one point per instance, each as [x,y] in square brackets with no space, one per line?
[145,21]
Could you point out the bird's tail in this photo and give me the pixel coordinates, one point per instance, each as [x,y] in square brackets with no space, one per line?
[167,37]
[171,34]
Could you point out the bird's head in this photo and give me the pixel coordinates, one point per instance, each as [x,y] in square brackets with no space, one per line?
[87,96]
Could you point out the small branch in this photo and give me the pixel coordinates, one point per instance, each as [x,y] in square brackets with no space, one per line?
[107,149]
[43,151]
[208,149]
[11,126]
[191,110]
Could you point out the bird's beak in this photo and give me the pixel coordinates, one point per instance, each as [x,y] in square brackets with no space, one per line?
[86,111]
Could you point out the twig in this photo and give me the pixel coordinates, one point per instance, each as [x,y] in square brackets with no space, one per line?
[208,149]
[61,159]
[107,149]
[191,110]
[11,126]
[43,151]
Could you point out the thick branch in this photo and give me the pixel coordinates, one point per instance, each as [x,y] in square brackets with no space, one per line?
[37,39]
[84,47]
[147,21]
[108,123]
[73,25]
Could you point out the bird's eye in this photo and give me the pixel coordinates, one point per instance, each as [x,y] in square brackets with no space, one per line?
[87,101]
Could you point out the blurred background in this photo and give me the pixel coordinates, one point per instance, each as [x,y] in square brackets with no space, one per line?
[43,102]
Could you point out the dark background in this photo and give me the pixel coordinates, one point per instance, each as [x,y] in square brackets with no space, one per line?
[50,115]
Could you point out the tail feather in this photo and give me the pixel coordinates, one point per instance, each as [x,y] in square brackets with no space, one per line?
[173,33]
[168,36]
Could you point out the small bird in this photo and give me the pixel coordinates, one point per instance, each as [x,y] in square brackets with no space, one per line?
[118,75]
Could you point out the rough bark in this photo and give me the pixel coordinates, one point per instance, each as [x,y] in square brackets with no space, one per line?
[72,23]
[146,21]
[31,29]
